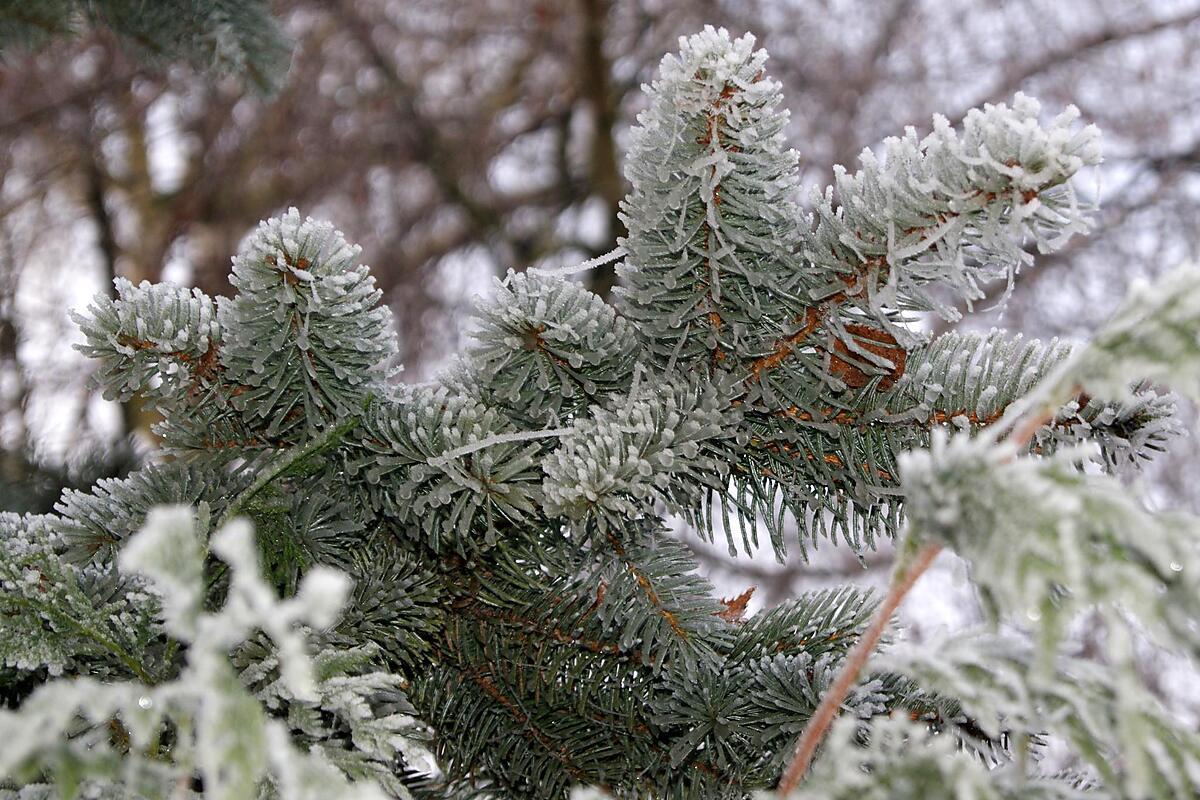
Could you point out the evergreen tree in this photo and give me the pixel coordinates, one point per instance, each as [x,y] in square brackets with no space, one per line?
[516,613]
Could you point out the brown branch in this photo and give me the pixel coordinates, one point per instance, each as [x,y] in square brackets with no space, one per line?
[429,141]
[511,618]
[205,367]
[831,702]
[480,676]
[83,97]
[937,417]
[866,269]
[109,250]
[239,444]
[902,582]
[713,133]
[779,583]
[785,346]
[832,459]
[855,86]
[644,582]
[1025,430]
[595,85]
[1013,81]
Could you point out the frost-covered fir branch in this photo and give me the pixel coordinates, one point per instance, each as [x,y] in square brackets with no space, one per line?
[725,276]
[59,614]
[953,209]
[1131,745]
[515,588]
[712,219]
[904,759]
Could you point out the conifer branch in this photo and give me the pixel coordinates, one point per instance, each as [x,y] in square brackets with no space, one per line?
[553,634]
[285,461]
[122,655]
[481,677]
[516,587]
[647,586]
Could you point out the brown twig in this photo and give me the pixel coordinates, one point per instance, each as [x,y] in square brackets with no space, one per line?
[644,582]
[1024,431]
[902,582]
[821,719]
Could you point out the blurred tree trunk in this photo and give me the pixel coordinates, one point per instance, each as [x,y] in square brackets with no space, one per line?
[595,83]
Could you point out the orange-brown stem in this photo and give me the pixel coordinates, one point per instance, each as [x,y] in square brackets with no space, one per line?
[822,718]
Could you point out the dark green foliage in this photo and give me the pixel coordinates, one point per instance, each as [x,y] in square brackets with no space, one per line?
[225,36]
[396,604]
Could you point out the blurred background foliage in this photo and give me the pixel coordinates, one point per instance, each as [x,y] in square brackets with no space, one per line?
[457,140]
